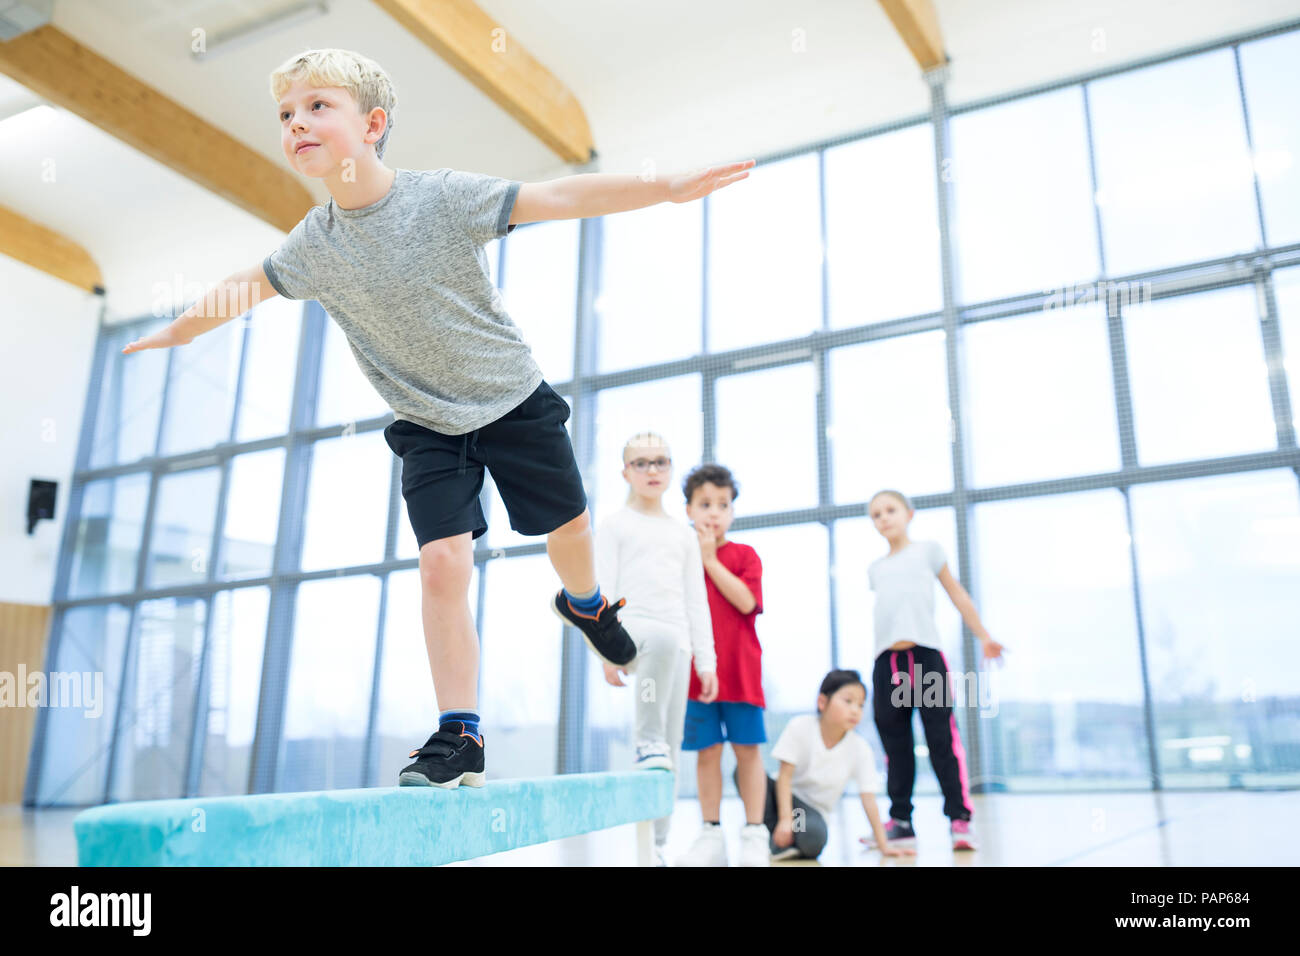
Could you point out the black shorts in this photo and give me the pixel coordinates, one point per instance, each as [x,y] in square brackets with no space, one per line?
[528,452]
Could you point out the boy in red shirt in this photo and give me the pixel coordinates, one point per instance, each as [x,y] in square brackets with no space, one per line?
[733,578]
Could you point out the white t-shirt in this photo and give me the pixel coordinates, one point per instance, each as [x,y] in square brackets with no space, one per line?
[904,586]
[820,774]
[654,563]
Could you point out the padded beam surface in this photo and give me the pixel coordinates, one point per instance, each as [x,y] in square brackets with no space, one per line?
[380,826]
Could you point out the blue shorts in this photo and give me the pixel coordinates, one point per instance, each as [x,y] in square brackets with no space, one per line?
[709,724]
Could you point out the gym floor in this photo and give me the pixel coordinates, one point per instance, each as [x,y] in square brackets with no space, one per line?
[1187,828]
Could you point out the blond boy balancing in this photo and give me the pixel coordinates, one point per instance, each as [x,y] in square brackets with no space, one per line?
[396,258]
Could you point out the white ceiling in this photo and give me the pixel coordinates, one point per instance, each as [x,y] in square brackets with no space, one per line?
[679,82]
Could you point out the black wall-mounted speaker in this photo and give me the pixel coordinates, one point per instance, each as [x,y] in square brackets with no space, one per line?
[40,502]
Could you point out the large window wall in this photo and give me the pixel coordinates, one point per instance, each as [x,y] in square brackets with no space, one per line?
[1066,322]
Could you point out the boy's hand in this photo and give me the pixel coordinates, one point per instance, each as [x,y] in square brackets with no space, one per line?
[708,543]
[611,674]
[685,187]
[992,649]
[162,339]
[708,687]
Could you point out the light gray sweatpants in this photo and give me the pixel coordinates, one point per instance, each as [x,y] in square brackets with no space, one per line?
[662,677]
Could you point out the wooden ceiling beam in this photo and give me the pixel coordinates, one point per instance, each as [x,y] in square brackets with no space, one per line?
[918,25]
[487,55]
[47,250]
[76,78]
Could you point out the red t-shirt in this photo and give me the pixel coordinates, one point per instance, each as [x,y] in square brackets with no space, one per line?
[740,656]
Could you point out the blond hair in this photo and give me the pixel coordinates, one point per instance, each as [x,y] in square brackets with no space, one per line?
[902,498]
[644,440]
[362,77]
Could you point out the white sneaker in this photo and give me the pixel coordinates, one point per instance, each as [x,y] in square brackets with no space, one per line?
[709,849]
[754,847]
[653,756]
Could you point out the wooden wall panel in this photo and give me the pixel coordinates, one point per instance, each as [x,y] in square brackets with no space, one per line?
[24,632]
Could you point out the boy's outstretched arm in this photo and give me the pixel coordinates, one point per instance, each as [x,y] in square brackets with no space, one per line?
[231,297]
[599,194]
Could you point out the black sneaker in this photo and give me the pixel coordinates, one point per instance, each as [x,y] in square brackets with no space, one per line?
[446,760]
[897,833]
[602,630]
[790,852]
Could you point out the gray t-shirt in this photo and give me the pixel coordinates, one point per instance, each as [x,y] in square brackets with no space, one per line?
[904,586]
[407,280]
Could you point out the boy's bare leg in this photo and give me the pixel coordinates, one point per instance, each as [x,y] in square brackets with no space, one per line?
[449,636]
[572,550]
[752,780]
[708,778]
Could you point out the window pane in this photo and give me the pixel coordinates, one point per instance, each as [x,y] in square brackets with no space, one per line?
[1173,172]
[890,423]
[519,683]
[1270,69]
[1218,560]
[252,514]
[74,759]
[274,327]
[201,393]
[162,676]
[1199,380]
[107,543]
[541,292]
[181,541]
[767,225]
[1022,190]
[1286,290]
[347,501]
[1062,359]
[649,305]
[130,400]
[673,408]
[345,394]
[234,683]
[408,708]
[767,436]
[857,544]
[795,626]
[1055,586]
[327,707]
[882,228]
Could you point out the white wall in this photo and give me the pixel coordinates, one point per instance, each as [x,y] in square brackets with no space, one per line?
[49,332]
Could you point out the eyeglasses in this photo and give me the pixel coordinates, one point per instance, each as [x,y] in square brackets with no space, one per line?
[644,464]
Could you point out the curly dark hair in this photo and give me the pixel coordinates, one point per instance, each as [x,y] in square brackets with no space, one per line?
[713,474]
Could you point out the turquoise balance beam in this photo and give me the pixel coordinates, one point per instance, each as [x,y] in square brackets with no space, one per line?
[381,826]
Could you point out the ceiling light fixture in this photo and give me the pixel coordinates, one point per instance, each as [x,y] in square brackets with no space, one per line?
[240,36]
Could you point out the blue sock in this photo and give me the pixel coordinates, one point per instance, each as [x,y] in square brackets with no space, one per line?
[469,718]
[587,603]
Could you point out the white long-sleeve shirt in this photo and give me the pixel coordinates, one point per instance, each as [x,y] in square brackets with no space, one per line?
[654,563]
